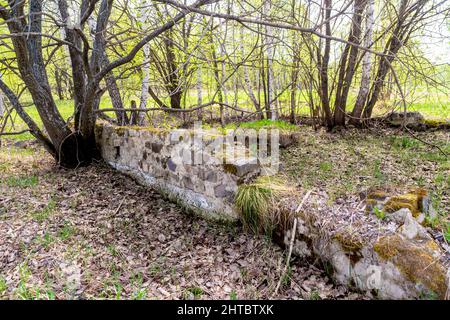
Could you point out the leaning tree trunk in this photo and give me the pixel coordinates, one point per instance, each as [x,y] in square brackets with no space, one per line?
[294,71]
[2,105]
[68,147]
[110,79]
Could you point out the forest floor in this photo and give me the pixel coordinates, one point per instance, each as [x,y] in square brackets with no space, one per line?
[353,161]
[93,233]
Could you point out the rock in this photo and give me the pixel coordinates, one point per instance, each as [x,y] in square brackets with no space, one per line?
[72,273]
[409,226]
[171,165]
[187,183]
[404,118]
[399,216]
[416,261]
[301,249]
[156,147]
[242,166]
[411,229]
[220,191]
[21,144]
[161,238]
[415,200]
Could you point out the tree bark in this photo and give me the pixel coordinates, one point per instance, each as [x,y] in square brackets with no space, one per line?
[323,68]
[270,77]
[399,38]
[247,81]
[110,79]
[348,63]
[366,66]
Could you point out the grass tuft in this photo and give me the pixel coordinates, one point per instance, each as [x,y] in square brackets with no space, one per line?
[254,202]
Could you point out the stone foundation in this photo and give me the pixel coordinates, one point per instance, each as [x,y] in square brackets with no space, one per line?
[392,258]
[195,177]
[401,261]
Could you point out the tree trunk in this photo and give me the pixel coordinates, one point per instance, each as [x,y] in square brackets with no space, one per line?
[323,68]
[366,66]
[398,38]
[2,105]
[216,72]
[77,64]
[270,78]
[348,63]
[145,84]
[173,83]
[58,83]
[247,82]
[199,92]
[110,79]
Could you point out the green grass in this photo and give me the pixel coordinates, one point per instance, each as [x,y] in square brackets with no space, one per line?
[435,105]
[432,109]
[45,240]
[263,124]
[195,291]
[44,213]
[66,231]
[3,286]
[22,181]
[65,107]
[252,201]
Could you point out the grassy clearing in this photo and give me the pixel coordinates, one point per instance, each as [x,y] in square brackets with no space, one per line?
[433,105]
[263,124]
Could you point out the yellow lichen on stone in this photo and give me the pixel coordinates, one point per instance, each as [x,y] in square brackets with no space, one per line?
[350,240]
[416,260]
[120,130]
[434,123]
[409,201]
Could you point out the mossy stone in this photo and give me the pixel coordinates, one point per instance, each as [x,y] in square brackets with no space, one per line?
[416,260]
[413,200]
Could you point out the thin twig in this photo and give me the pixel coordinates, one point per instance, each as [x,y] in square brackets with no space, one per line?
[291,244]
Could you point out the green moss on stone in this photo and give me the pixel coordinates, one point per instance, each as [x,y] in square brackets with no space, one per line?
[411,200]
[350,241]
[415,260]
[434,123]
